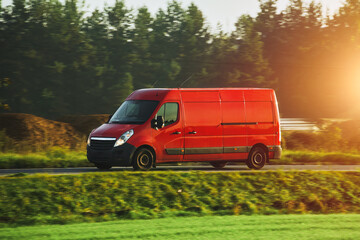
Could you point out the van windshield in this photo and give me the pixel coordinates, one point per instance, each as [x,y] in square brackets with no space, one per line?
[134,112]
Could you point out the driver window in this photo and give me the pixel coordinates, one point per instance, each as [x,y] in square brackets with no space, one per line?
[169,111]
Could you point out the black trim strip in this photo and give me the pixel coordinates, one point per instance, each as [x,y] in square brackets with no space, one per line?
[175,151]
[240,123]
[242,149]
[214,150]
[209,150]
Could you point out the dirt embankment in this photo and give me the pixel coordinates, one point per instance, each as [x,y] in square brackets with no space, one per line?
[69,132]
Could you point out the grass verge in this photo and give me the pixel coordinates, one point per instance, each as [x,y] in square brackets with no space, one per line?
[309,157]
[54,157]
[210,227]
[58,157]
[40,199]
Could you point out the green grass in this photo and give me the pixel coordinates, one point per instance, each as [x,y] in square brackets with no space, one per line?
[57,157]
[210,227]
[57,199]
[54,157]
[310,157]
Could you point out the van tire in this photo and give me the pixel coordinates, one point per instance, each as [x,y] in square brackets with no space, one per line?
[103,166]
[143,159]
[218,165]
[257,158]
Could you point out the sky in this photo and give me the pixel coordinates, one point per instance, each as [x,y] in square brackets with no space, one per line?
[225,12]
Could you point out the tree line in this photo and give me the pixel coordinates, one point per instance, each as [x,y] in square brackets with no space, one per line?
[57,60]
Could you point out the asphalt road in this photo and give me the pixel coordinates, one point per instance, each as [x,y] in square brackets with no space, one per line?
[229,168]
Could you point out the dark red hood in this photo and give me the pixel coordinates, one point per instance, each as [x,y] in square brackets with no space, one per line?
[112,130]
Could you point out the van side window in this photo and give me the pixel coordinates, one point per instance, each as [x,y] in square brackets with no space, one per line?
[169,111]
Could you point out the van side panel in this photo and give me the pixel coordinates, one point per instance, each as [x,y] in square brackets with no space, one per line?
[259,117]
[203,131]
[234,129]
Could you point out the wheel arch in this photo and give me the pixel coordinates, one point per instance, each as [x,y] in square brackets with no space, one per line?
[145,146]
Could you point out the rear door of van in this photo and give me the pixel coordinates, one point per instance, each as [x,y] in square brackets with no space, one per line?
[203,130]
[259,117]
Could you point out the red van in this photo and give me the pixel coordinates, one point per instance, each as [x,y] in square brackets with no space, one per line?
[215,125]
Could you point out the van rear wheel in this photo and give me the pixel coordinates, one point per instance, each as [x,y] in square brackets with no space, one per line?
[257,158]
[143,159]
[218,165]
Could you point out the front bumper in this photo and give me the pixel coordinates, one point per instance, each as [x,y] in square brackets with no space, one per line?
[117,156]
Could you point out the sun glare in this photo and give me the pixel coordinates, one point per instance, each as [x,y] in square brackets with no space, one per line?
[352,81]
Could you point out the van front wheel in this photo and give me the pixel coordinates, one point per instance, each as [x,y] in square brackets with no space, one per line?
[257,158]
[143,159]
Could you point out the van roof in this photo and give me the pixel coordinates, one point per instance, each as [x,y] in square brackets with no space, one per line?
[199,89]
[174,93]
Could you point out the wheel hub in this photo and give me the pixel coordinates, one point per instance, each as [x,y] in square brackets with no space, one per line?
[258,158]
[144,160]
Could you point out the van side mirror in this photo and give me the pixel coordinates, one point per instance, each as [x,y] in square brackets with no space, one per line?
[158,122]
[110,116]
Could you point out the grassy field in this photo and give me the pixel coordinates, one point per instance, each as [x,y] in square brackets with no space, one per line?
[44,199]
[209,227]
[58,157]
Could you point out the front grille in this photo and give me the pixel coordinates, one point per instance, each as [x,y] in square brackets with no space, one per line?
[101,158]
[102,144]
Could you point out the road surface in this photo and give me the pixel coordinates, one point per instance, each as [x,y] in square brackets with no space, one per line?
[229,168]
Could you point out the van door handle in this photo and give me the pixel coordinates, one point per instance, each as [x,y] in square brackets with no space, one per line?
[193,132]
[176,132]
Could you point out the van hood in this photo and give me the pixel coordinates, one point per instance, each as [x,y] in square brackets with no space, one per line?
[112,130]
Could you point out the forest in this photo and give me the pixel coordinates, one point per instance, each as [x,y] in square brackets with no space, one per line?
[56,59]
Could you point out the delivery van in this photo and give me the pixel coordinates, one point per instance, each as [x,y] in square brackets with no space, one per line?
[215,125]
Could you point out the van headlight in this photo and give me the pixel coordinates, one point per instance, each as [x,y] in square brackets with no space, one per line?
[88,140]
[124,138]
